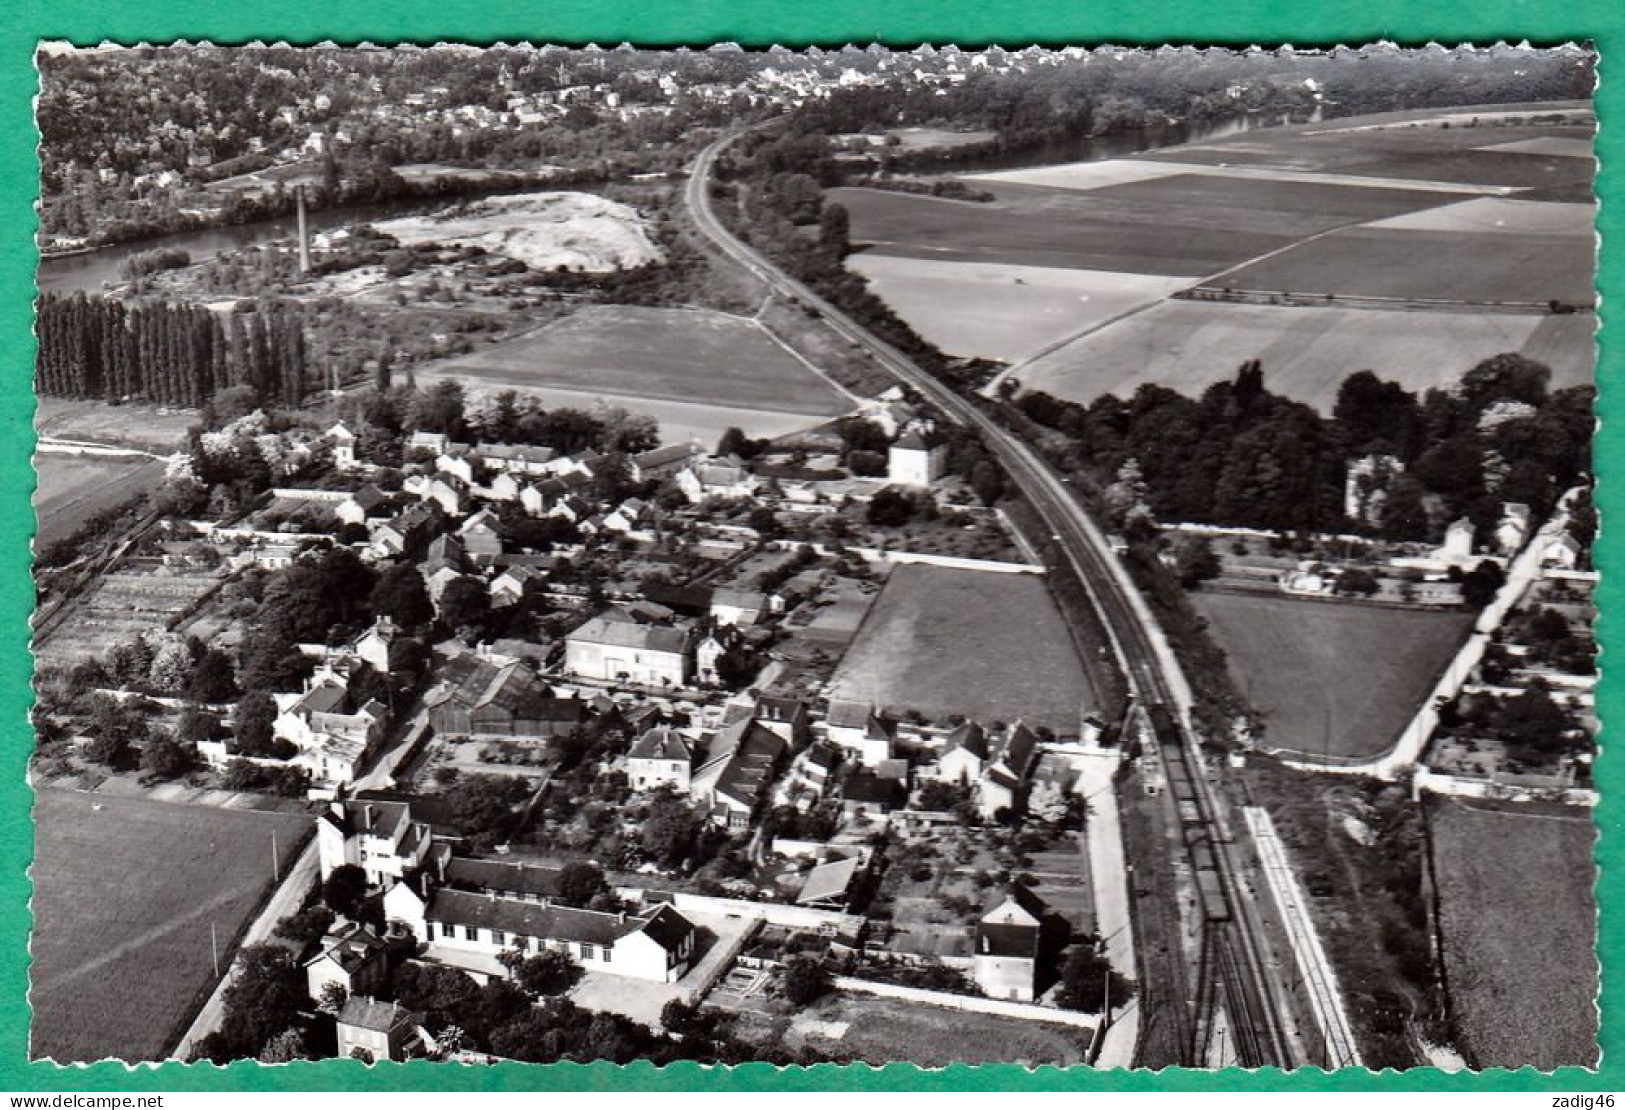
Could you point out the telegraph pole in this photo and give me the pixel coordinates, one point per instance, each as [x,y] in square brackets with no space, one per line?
[304,230]
[214,949]
[276,865]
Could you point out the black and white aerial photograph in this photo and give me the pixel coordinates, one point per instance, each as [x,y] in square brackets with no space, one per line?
[1074,556]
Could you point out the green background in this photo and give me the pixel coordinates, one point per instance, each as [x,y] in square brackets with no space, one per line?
[751,23]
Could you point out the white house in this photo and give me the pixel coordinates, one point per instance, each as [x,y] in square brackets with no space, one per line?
[343,440]
[1513,528]
[621,651]
[333,736]
[917,457]
[465,928]
[706,480]
[857,728]
[371,1030]
[352,957]
[379,837]
[1563,553]
[661,757]
[1007,943]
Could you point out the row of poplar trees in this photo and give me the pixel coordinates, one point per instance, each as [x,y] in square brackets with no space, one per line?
[95,348]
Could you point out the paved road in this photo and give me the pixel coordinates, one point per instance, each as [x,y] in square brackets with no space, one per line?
[1141,650]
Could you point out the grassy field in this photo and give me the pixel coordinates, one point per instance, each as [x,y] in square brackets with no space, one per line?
[73,488]
[989,646]
[677,355]
[1498,214]
[883,1030]
[1335,678]
[125,891]
[1029,226]
[989,310]
[141,426]
[1307,351]
[1471,267]
[1519,926]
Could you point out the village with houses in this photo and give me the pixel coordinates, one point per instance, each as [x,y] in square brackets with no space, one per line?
[552,555]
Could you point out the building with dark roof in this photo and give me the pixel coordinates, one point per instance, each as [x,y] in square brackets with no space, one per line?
[352,957]
[380,837]
[475,696]
[471,929]
[661,757]
[371,1030]
[623,651]
[1009,937]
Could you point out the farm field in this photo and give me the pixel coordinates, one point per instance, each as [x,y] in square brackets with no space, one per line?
[121,955]
[1307,351]
[988,310]
[1470,267]
[941,641]
[144,427]
[883,1030]
[1334,678]
[73,488]
[1027,226]
[657,356]
[1519,930]
[1497,214]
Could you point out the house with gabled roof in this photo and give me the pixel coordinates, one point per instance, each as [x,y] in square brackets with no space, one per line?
[343,442]
[333,735]
[482,537]
[662,462]
[380,837]
[737,773]
[857,727]
[362,505]
[404,534]
[661,757]
[610,650]
[517,458]
[371,1030]
[350,956]
[475,696]
[964,755]
[471,929]
[1008,939]
[918,457]
[788,717]
[1003,785]
[508,588]
[728,481]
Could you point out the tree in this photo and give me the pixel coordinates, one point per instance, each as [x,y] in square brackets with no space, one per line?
[987,480]
[333,998]
[163,758]
[546,973]
[345,891]
[214,679]
[580,883]
[890,508]
[1087,978]
[765,521]
[835,229]
[464,601]
[670,832]
[400,595]
[805,980]
[286,1046]
[253,722]
[1195,561]
[1358,581]
[307,926]
[1480,585]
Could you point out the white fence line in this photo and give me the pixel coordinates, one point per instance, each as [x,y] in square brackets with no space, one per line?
[1022,1011]
[1466,787]
[1408,748]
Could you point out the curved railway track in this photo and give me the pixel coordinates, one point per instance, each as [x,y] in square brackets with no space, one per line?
[1252,1002]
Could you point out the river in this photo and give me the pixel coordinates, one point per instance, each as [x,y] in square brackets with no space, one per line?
[96,270]
[93,271]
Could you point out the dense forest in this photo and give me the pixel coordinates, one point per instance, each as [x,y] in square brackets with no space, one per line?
[1241,455]
[101,349]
